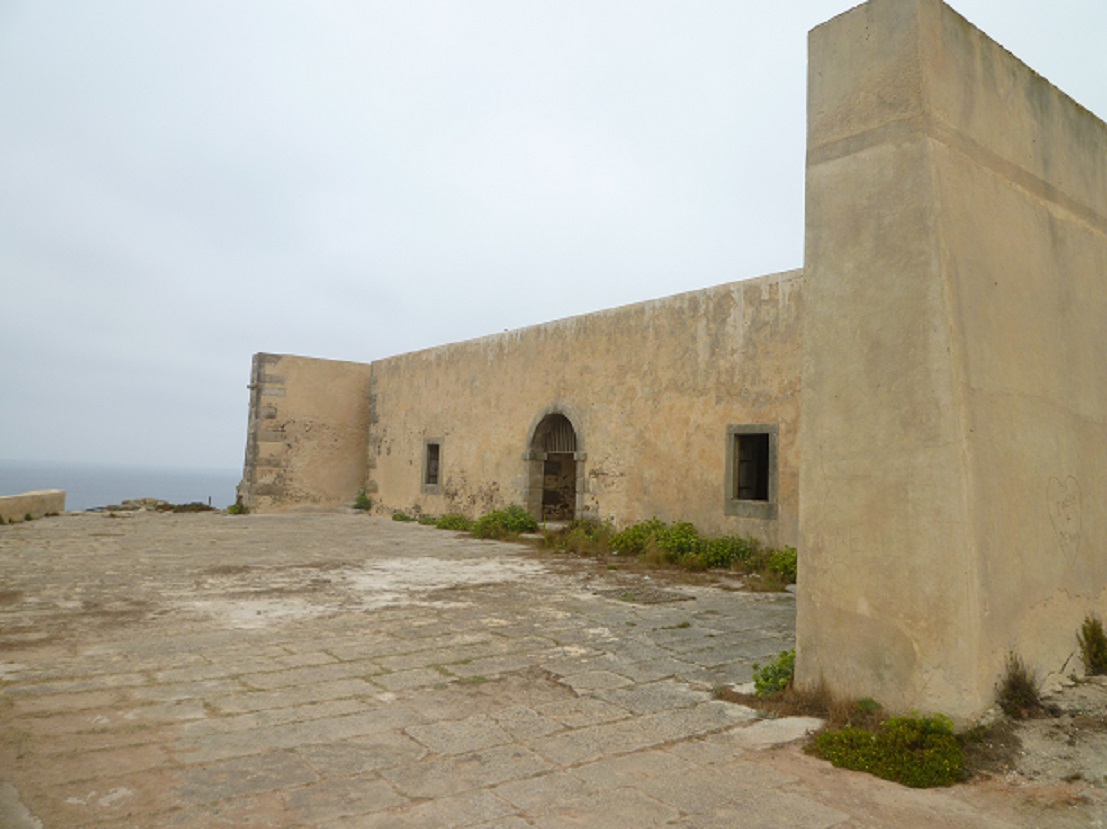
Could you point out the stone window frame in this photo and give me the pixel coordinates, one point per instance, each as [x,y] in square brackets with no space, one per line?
[748,508]
[429,487]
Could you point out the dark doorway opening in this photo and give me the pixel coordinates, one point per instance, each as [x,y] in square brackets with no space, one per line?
[554,469]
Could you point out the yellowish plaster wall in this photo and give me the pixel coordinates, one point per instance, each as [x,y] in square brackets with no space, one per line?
[306,440]
[651,388]
[953,415]
[1022,176]
[41,502]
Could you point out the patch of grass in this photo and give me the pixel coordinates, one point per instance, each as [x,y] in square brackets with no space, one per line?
[634,540]
[992,749]
[454,521]
[868,705]
[656,543]
[765,581]
[1018,694]
[775,677]
[237,508]
[28,517]
[810,702]
[504,523]
[363,501]
[402,516]
[782,562]
[584,536]
[920,752]
[1093,645]
[729,551]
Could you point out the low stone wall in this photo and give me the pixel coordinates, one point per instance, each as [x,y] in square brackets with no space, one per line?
[15,508]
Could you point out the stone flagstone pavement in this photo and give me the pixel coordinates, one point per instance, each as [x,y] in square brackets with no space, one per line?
[344,671]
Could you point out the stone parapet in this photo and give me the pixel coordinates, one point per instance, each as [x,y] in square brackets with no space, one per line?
[16,508]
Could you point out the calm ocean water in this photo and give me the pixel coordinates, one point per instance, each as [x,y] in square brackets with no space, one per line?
[90,486]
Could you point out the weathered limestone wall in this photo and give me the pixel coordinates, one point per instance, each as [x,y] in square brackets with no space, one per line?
[1022,179]
[649,388]
[306,438]
[36,504]
[954,413]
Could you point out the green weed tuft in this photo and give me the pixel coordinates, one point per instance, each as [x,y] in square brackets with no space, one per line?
[659,544]
[584,536]
[454,521]
[775,677]
[363,501]
[1093,645]
[504,523]
[782,562]
[635,539]
[1018,694]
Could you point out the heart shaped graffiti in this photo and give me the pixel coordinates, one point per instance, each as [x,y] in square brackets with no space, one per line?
[1065,508]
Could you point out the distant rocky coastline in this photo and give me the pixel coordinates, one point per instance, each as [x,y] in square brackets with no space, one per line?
[154,505]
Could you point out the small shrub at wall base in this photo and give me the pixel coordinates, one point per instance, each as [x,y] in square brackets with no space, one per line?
[583,536]
[454,521]
[237,508]
[363,501]
[1093,645]
[680,544]
[634,540]
[504,523]
[1017,693]
[920,752]
[402,516]
[783,563]
[775,677]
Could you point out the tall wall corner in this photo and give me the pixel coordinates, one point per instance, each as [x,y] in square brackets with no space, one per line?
[951,420]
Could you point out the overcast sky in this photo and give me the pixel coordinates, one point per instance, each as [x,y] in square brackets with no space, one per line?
[184,184]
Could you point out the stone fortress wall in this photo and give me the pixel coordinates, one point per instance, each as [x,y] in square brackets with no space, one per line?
[649,389]
[944,470]
[953,424]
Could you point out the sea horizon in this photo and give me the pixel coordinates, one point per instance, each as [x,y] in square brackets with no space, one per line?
[95,485]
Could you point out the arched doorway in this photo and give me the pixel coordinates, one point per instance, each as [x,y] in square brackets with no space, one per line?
[555,464]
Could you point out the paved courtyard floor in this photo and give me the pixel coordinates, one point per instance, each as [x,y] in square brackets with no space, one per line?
[344,671]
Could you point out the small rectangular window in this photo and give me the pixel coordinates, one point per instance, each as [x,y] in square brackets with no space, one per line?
[751,471]
[431,464]
[751,464]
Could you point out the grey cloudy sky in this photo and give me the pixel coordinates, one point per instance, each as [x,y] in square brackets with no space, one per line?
[183,184]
